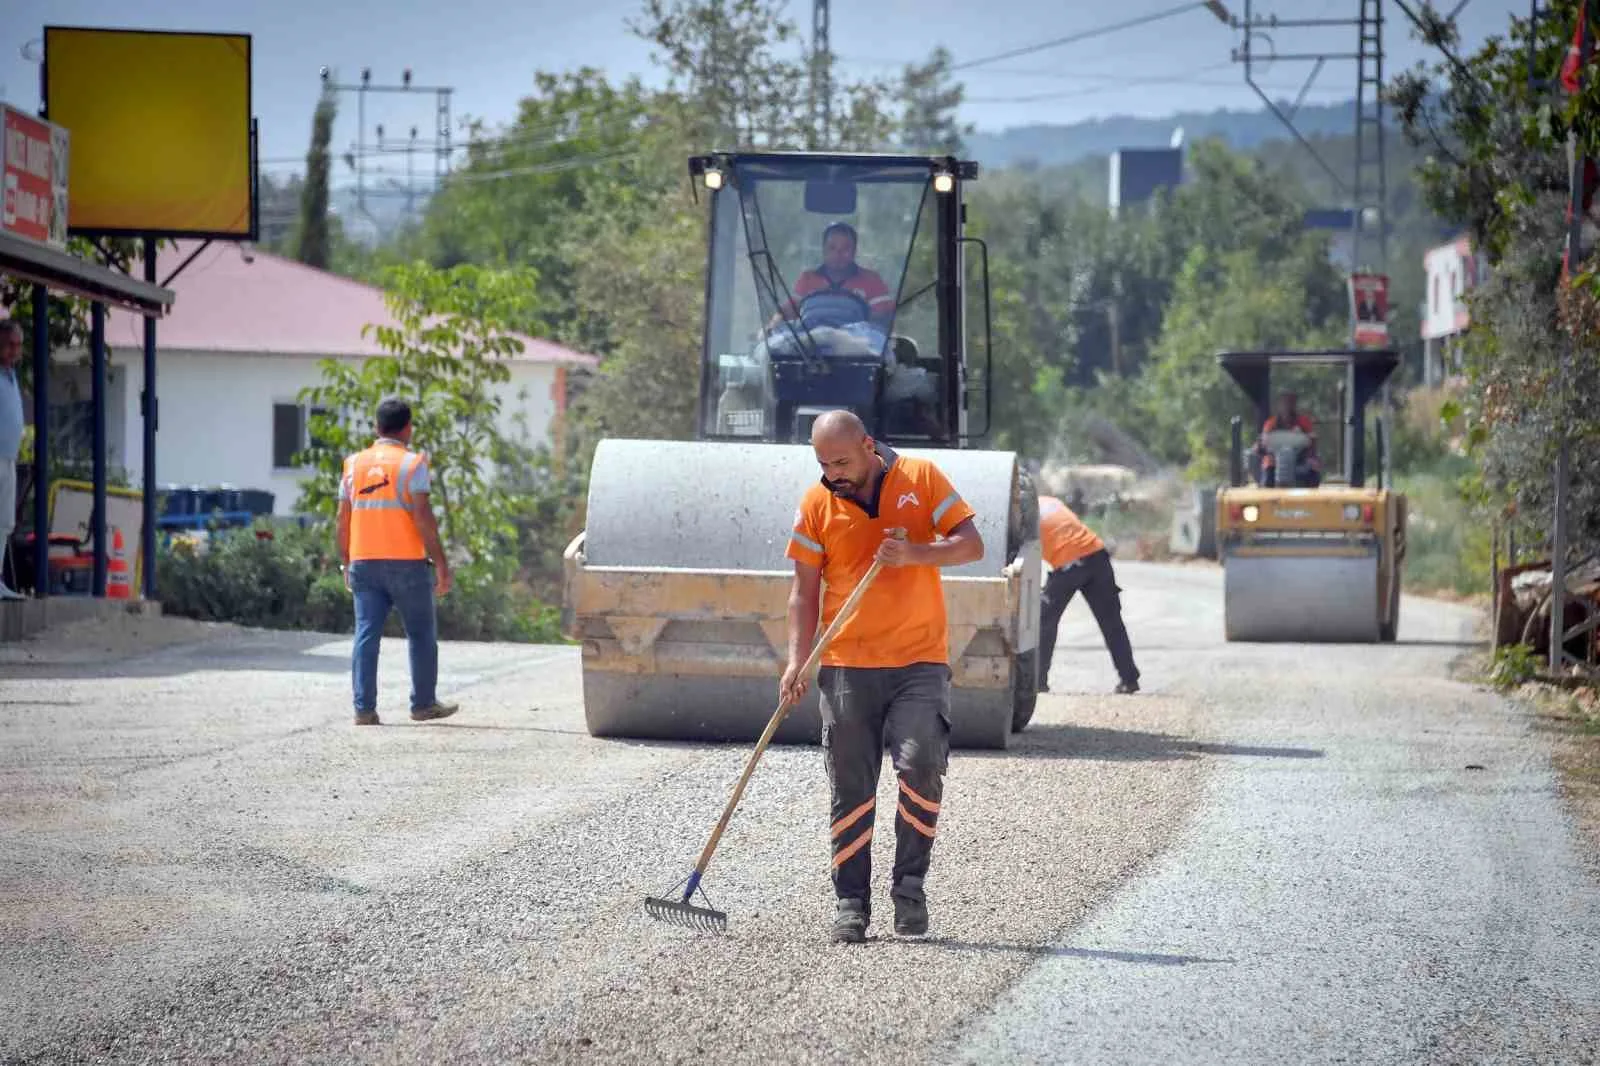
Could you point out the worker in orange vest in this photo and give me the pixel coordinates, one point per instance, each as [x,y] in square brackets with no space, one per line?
[1078,559]
[389,545]
[1308,465]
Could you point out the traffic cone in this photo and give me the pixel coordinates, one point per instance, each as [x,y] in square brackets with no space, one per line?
[119,581]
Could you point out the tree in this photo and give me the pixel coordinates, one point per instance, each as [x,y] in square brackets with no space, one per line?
[1498,168]
[1242,300]
[446,358]
[930,101]
[729,84]
[313,244]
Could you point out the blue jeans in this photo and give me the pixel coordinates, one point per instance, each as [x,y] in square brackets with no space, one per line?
[407,584]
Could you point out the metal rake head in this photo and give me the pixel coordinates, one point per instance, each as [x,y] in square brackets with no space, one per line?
[684,913]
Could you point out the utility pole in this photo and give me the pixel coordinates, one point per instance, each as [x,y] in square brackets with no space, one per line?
[821,76]
[357,156]
[1366,193]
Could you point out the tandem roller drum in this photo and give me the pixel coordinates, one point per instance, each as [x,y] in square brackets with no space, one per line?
[726,506]
[1305,598]
[681,593]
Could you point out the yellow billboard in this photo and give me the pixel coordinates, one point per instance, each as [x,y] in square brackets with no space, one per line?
[160,122]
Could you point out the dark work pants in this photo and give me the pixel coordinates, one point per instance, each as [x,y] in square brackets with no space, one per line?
[1098,582]
[907,708]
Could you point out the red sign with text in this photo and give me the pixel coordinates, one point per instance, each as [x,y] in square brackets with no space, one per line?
[33,162]
[1369,307]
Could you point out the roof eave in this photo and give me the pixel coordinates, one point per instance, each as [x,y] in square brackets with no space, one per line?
[64,272]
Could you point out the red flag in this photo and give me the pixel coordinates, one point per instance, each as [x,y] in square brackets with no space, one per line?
[1569,66]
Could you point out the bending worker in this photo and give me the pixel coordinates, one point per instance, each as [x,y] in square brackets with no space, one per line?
[886,675]
[387,536]
[1078,559]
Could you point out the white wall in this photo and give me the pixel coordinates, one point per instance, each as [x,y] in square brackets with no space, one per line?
[1452,271]
[216,423]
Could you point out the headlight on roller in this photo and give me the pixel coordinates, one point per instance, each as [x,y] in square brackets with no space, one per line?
[1251,512]
[1351,512]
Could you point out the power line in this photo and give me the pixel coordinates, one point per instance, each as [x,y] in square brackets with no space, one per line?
[540,136]
[1083,35]
[1114,82]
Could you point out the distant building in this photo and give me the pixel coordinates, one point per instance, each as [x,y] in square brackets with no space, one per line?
[1137,173]
[1453,270]
[245,335]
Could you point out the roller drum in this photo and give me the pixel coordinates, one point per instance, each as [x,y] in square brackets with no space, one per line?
[1301,598]
[730,506]
[737,709]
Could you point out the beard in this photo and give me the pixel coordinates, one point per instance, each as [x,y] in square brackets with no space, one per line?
[845,487]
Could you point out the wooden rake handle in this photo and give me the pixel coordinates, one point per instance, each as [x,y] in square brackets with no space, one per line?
[777,717]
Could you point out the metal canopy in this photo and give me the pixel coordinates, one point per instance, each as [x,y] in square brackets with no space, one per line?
[62,272]
[1366,369]
[1252,371]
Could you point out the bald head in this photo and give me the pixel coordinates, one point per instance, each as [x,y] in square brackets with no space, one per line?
[846,454]
[838,427]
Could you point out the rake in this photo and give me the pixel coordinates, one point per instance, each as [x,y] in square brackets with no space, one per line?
[681,911]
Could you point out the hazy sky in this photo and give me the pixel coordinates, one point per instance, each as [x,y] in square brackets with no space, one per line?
[487,49]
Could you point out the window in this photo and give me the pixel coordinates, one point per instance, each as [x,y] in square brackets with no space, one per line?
[291,433]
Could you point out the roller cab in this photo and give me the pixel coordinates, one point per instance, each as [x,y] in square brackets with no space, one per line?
[1319,562]
[677,588]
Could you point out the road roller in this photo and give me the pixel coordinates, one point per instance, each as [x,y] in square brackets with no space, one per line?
[1319,563]
[677,587]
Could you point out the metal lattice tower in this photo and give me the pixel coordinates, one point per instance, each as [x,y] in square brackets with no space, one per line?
[1370,195]
[821,74]
[361,149]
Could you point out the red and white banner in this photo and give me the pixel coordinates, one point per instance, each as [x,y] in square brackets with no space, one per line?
[1369,310]
[33,162]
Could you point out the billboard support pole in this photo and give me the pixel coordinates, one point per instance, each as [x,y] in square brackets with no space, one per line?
[147,524]
[97,393]
[39,301]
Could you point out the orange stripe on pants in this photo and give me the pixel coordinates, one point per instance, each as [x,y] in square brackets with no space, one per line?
[920,826]
[927,805]
[853,817]
[855,845]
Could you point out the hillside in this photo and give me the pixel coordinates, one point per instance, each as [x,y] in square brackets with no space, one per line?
[1244,130]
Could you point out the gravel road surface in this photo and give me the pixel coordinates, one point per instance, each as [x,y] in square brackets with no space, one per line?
[1271,854]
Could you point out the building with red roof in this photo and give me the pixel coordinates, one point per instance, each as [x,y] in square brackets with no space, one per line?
[244,336]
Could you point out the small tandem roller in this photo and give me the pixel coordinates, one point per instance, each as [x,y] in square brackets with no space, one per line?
[1311,563]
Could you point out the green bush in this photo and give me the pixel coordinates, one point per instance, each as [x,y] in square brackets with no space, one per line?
[1447,548]
[287,577]
[1513,665]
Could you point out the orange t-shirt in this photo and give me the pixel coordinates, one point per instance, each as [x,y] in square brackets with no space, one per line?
[1062,535]
[901,618]
[862,282]
[1301,422]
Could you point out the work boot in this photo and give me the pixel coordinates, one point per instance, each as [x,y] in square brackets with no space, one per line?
[436,710]
[367,718]
[849,922]
[1126,688]
[910,916]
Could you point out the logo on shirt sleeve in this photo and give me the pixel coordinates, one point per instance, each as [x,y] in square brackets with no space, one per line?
[908,497]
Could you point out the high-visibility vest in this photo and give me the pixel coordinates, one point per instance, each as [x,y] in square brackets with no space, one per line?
[381,526]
